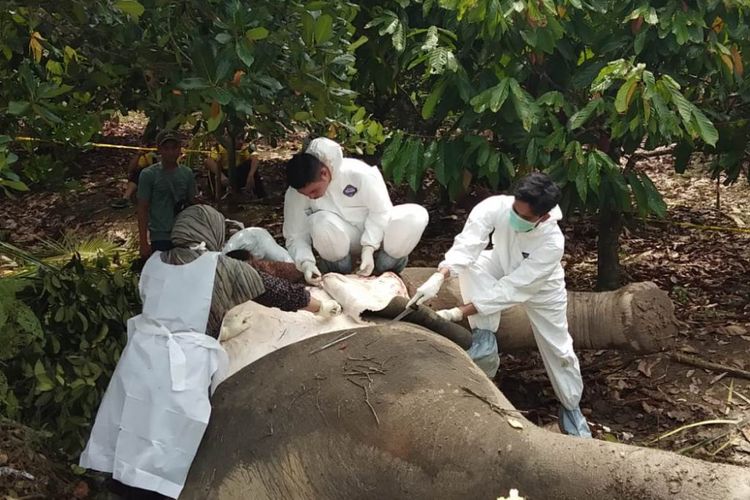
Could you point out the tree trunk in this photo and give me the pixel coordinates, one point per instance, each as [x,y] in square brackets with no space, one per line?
[608,250]
[638,317]
[397,412]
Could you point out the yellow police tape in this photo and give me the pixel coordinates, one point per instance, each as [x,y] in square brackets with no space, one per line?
[658,221]
[112,146]
[702,227]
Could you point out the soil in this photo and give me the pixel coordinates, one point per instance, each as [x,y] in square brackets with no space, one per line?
[705,270]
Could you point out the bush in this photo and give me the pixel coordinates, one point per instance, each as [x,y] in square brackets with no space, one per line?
[61,334]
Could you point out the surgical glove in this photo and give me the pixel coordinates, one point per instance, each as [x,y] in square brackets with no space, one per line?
[368,263]
[428,290]
[329,308]
[311,272]
[454,314]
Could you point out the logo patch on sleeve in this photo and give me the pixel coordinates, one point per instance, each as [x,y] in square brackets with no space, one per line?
[350,190]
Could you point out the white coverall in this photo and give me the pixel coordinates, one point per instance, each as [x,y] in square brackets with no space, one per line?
[521,268]
[355,211]
[156,407]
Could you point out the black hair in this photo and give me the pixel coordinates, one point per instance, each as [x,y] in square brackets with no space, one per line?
[302,169]
[240,254]
[539,191]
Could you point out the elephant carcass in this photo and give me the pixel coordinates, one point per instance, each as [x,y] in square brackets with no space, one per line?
[398,412]
[638,317]
[251,331]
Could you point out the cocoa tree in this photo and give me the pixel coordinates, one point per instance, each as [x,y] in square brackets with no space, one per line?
[574,88]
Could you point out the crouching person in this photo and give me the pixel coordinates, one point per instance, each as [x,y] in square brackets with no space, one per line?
[341,208]
[156,407]
[523,268]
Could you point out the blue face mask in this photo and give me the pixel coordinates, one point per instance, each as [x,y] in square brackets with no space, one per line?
[519,224]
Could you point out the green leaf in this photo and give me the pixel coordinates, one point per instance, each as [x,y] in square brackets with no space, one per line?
[132,8]
[46,114]
[592,173]
[213,122]
[399,37]
[391,153]
[429,105]
[655,201]
[18,107]
[223,38]
[245,52]
[508,168]
[50,90]
[357,43]
[308,29]
[410,155]
[493,97]
[581,116]
[16,185]
[625,95]
[44,383]
[581,182]
[323,28]
[525,106]
[257,34]
[194,84]
[415,166]
[706,129]
[641,195]
[27,320]
[640,41]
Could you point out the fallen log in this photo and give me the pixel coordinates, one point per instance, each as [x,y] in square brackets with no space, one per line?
[638,317]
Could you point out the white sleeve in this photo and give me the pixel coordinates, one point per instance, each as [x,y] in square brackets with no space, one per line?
[525,281]
[379,207]
[474,237]
[295,228]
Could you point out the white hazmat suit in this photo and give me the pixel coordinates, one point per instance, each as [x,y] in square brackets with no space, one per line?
[523,268]
[355,212]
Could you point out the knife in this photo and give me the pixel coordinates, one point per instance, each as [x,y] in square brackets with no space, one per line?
[407,310]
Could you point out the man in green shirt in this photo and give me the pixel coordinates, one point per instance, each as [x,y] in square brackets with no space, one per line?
[163,189]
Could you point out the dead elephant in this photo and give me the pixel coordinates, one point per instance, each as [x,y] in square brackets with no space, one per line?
[395,411]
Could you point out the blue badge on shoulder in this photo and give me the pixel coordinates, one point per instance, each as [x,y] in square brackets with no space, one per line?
[350,190]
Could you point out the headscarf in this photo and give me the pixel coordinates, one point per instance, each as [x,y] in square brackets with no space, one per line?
[200,228]
[199,224]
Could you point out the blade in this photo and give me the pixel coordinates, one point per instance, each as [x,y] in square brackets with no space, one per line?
[403,314]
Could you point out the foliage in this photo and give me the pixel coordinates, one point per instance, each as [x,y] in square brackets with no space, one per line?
[567,87]
[61,333]
[8,178]
[213,65]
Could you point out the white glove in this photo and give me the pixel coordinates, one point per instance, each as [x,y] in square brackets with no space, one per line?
[428,290]
[311,272]
[368,264]
[454,314]
[329,308]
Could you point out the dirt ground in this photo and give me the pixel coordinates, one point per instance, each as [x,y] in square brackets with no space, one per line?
[627,398]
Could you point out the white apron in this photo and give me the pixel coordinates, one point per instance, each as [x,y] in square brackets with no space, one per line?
[156,408]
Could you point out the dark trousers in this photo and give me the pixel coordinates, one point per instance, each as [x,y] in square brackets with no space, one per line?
[161,245]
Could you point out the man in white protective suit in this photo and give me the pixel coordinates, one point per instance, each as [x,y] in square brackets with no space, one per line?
[341,207]
[523,268]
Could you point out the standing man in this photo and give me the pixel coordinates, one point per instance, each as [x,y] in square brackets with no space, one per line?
[523,268]
[341,207]
[164,189]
